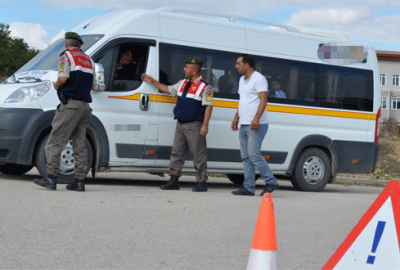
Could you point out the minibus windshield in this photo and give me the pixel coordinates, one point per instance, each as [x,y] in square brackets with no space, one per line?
[48,58]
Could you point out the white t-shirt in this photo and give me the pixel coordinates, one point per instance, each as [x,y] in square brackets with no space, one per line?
[249,99]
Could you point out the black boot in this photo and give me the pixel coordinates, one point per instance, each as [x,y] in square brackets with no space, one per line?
[78,185]
[49,181]
[172,184]
[201,186]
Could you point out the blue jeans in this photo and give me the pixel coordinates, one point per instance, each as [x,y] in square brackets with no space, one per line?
[250,150]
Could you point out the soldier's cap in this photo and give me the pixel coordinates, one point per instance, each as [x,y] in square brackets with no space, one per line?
[194,60]
[73,35]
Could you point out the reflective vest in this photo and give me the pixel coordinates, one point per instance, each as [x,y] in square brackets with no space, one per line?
[189,107]
[80,81]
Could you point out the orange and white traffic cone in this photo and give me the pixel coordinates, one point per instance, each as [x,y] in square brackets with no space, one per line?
[263,253]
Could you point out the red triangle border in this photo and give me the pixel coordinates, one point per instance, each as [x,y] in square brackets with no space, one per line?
[391,190]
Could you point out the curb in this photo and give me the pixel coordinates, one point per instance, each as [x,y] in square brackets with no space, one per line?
[362,181]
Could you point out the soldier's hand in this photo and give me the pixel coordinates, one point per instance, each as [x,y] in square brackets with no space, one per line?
[203,130]
[147,78]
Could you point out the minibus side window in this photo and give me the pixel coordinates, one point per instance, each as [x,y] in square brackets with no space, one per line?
[299,83]
[347,88]
[218,68]
[290,82]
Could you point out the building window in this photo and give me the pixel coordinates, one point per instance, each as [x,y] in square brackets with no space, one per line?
[383,79]
[396,103]
[383,103]
[396,80]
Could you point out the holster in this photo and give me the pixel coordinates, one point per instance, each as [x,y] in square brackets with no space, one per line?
[62,97]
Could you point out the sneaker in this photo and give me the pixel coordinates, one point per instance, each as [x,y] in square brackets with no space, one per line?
[269,189]
[242,191]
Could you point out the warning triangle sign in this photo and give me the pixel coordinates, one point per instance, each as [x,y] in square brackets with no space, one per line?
[374,241]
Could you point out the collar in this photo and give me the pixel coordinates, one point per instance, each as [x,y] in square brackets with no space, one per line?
[73,48]
[197,80]
[246,80]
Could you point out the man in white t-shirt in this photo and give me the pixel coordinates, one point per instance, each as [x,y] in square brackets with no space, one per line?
[252,122]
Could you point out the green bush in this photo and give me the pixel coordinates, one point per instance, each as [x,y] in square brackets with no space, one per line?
[14,52]
[390,128]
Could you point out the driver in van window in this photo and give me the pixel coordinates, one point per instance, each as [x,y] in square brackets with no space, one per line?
[125,70]
[276,90]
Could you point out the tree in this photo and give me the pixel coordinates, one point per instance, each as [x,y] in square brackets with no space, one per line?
[14,52]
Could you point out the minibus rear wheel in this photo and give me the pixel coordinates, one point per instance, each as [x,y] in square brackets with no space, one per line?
[15,169]
[238,178]
[313,170]
[66,160]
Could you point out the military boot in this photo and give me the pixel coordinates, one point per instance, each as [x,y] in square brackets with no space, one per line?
[78,185]
[49,181]
[172,184]
[201,187]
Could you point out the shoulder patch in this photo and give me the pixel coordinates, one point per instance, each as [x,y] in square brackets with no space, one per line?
[209,96]
[61,69]
[209,88]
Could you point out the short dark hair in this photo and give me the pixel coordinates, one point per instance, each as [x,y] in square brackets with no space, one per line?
[275,79]
[73,42]
[124,50]
[247,59]
[197,67]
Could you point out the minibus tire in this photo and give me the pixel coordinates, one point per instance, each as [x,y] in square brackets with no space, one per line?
[15,169]
[238,178]
[313,170]
[40,160]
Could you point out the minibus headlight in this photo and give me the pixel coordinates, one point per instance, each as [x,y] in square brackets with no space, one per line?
[29,93]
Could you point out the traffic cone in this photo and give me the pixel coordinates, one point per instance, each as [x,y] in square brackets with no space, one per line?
[263,252]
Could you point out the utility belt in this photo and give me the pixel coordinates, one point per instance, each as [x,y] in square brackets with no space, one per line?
[64,98]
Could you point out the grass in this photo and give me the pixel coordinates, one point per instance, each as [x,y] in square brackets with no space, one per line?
[388,165]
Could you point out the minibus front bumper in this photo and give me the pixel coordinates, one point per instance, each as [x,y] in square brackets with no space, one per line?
[19,132]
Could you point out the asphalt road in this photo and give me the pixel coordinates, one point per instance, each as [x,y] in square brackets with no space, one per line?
[124,221]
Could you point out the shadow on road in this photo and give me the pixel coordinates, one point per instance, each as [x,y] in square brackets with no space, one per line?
[125,180]
[144,179]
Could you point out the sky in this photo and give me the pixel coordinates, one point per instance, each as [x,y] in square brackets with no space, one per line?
[375,22]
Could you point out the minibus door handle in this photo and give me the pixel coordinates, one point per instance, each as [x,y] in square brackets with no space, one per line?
[144,102]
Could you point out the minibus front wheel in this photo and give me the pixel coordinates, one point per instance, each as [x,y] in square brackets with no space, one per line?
[67,161]
[313,170]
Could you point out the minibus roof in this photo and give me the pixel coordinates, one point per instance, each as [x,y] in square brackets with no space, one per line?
[108,20]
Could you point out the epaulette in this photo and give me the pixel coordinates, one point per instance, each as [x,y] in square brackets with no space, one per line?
[63,52]
[204,81]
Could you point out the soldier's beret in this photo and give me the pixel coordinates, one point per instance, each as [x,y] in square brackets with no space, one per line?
[194,60]
[73,35]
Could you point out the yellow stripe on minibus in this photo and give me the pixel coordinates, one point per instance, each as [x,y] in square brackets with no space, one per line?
[218,103]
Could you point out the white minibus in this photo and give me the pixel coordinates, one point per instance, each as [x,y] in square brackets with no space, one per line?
[327,124]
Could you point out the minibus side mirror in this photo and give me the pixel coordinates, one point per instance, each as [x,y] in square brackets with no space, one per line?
[99,77]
